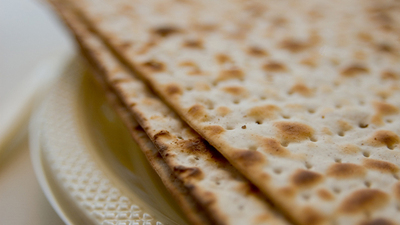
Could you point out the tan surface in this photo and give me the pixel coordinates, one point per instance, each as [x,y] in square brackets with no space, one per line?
[283,89]
[214,183]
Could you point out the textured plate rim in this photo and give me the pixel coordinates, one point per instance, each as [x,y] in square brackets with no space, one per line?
[63,200]
[48,187]
[35,138]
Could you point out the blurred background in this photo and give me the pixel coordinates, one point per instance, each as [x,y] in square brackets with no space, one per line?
[29,34]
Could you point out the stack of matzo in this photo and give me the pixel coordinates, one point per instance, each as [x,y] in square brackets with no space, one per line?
[301,97]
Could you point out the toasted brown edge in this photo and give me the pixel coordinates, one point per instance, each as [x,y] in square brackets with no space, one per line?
[192,210]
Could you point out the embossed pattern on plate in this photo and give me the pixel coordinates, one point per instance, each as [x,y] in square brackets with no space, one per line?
[73,167]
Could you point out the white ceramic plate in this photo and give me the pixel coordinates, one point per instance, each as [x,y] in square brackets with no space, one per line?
[86,162]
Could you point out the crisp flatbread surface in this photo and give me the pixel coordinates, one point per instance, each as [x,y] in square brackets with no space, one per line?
[192,210]
[211,180]
[300,96]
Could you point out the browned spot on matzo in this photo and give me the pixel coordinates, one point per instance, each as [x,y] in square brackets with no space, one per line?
[384,94]
[294,46]
[327,131]
[279,21]
[385,48]
[236,91]
[396,190]
[255,9]
[346,170]
[154,66]
[230,74]
[382,17]
[222,58]
[189,172]
[380,165]
[195,146]
[360,55]
[287,192]
[344,126]
[378,221]
[263,112]
[389,75]
[188,63]
[148,101]
[202,86]
[223,110]
[311,216]
[160,138]
[293,131]
[262,219]
[124,45]
[301,89]
[310,61]
[205,27]
[385,109]
[365,36]
[165,31]
[274,66]
[209,198]
[305,178]
[173,89]
[214,129]
[354,70]
[257,51]
[144,48]
[274,147]
[325,195]
[195,69]
[197,111]
[249,158]
[162,134]
[196,44]
[364,200]
[350,149]
[384,137]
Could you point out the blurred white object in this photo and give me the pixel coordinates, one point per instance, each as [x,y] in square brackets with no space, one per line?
[29,33]
[17,109]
